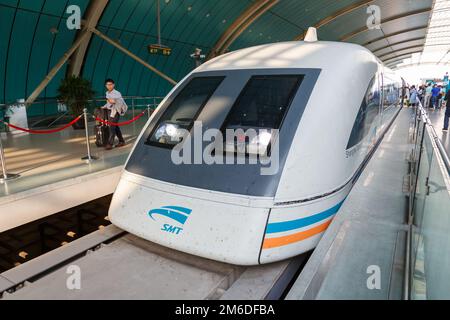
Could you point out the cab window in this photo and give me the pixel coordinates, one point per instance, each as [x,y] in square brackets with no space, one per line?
[183,111]
[261,106]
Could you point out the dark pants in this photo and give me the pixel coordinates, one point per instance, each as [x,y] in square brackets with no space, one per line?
[446,118]
[115,131]
[434,101]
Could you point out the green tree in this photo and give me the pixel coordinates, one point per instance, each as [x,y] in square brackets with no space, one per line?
[76,92]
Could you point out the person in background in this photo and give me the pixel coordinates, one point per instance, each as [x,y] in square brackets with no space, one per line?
[413,96]
[434,96]
[407,91]
[428,94]
[440,97]
[420,93]
[117,106]
[447,112]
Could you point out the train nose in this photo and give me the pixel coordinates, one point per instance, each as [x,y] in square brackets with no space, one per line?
[208,226]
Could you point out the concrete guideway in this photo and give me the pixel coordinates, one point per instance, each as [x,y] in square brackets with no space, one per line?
[122,266]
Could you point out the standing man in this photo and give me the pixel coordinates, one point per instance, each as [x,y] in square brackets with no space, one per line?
[421,92]
[434,96]
[413,96]
[428,95]
[117,107]
[447,112]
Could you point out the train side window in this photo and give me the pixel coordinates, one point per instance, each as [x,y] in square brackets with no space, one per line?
[261,106]
[391,92]
[368,112]
[183,111]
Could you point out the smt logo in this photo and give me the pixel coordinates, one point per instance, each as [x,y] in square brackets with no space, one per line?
[178,214]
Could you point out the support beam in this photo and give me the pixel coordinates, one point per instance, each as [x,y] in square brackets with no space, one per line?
[388,61]
[132,55]
[92,16]
[393,65]
[398,43]
[57,67]
[396,62]
[387,36]
[253,12]
[394,18]
[401,55]
[399,51]
[423,64]
[336,15]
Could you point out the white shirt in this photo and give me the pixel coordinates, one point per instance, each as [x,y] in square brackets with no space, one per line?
[119,106]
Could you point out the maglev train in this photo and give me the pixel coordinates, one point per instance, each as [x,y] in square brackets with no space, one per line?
[196,182]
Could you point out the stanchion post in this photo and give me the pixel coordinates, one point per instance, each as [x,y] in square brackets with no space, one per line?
[5,176]
[89,158]
[134,114]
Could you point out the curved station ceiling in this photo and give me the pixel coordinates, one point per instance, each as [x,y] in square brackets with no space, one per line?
[35,38]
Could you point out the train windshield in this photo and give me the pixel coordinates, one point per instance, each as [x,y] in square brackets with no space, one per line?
[183,111]
[270,101]
[258,112]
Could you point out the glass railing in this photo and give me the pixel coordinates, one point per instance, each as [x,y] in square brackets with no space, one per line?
[48,113]
[429,220]
[47,151]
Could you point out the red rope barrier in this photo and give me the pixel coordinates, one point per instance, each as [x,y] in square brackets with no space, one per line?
[121,123]
[44,131]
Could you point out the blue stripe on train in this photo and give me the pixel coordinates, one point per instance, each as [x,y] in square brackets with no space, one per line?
[303,222]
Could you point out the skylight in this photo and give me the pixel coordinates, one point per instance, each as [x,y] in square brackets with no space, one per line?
[437,43]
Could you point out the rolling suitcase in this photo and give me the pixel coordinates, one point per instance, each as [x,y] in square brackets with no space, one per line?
[102,132]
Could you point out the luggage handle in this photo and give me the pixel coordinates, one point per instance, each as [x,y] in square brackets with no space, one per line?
[105,117]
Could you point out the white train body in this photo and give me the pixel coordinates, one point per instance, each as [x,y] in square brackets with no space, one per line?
[233,214]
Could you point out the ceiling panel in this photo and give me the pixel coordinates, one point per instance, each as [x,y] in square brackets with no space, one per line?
[401,46]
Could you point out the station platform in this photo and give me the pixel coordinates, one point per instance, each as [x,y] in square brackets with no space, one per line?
[53,174]
[368,235]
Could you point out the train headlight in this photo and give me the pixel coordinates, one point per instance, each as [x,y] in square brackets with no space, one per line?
[264,138]
[172,130]
[160,133]
[168,133]
[250,142]
[260,143]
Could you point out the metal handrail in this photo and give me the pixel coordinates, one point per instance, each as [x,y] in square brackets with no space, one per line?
[442,151]
[95,99]
[133,101]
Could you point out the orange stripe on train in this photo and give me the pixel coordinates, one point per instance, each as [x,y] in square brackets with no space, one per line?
[270,243]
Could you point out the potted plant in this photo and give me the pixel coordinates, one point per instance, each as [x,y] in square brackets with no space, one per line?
[76,92]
